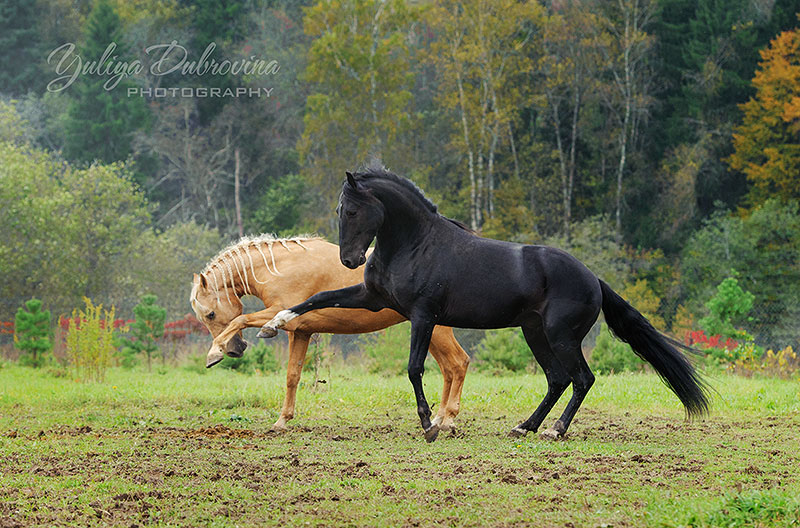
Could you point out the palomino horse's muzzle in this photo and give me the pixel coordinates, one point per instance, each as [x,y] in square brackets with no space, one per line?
[235,348]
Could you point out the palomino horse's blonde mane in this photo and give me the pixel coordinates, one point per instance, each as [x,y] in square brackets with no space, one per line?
[233,258]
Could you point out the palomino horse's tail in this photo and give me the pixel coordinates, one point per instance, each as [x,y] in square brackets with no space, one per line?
[660,351]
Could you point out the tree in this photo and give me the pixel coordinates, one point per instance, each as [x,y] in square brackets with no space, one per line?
[19,46]
[767,148]
[147,327]
[569,71]
[32,333]
[479,47]
[360,80]
[764,248]
[627,93]
[102,119]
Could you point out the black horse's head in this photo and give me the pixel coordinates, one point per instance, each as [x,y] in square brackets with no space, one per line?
[360,216]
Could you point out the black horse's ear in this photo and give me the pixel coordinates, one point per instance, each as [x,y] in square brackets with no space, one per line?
[351,179]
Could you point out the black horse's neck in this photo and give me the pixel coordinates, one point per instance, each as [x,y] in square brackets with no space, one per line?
[408,216]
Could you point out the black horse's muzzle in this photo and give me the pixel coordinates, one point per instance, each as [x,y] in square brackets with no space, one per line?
[353,263]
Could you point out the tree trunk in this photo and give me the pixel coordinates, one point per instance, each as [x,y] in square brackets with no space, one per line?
[236,188]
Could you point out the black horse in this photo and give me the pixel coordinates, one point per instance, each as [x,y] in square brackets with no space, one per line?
[434,270]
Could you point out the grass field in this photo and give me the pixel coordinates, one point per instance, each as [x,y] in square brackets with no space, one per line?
[181,448]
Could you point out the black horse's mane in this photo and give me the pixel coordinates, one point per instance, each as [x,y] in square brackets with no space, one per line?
[382,173]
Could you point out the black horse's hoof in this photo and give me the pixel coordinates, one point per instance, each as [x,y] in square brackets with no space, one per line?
[517,432]
[431,433]
[267,332]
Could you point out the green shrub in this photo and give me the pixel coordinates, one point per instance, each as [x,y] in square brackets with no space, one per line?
[146,329]
[729,305]
[386,351]
[90,341]
[612,355]
[32,333]
[257,359]
[504,349]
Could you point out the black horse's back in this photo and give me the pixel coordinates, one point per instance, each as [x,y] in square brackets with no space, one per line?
[661,352]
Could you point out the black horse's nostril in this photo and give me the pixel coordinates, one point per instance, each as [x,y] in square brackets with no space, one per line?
[347,263]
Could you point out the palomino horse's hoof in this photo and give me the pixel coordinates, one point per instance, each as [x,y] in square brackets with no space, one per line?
[279,428]
[214,356]
[267,331]
[431,433]
[517,432]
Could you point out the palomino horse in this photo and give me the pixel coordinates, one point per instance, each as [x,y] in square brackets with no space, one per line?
[283,272]
[435,271]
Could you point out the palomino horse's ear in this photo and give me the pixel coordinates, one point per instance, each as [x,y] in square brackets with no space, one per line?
[351,180]
[201,279]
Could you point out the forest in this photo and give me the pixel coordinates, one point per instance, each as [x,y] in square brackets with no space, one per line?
[656,140]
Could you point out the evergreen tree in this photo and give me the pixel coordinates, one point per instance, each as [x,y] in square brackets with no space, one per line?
[19,49]
[148,326]
[101,122]
[32,333]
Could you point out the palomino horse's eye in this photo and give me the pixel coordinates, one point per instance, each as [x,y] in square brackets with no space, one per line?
[210,316]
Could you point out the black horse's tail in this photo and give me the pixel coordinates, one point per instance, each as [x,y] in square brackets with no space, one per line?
[660,351]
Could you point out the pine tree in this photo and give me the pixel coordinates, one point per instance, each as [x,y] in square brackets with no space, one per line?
[101,122]
[32,333]
[19,46]
[148,326]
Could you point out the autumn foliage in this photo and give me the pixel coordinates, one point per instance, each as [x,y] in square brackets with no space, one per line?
[766,144]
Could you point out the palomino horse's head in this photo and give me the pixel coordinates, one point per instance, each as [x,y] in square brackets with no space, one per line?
[360,216]
[216,312]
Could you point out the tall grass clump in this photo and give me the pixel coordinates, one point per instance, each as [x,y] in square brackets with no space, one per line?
[90,341]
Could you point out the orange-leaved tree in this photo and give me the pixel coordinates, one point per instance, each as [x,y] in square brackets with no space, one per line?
[767,143]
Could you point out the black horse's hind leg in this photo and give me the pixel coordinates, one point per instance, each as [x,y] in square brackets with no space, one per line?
[567,350]
[421,331]
[557,378]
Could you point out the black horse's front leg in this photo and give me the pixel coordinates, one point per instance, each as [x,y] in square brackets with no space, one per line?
[358,296]
[421,331]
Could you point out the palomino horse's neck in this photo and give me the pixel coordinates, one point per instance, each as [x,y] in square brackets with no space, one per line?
[243,268]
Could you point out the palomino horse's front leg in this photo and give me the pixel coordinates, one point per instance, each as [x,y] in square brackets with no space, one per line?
[298,346]
[219,346]
[453,361]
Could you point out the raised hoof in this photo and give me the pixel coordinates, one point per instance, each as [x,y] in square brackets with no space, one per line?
[551,434]
[267,332]
[234,353]
[517,432]
[431,433]
[214,357]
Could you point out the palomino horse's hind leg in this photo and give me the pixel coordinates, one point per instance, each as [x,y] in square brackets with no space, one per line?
[557,378]
[298,346]
[453,361]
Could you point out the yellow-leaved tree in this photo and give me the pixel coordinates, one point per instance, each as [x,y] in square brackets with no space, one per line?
[767,142]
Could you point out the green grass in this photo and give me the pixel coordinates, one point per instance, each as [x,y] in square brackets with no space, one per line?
[179,448]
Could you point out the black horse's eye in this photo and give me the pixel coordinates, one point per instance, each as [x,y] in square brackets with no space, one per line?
[210,316]
[350,214]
